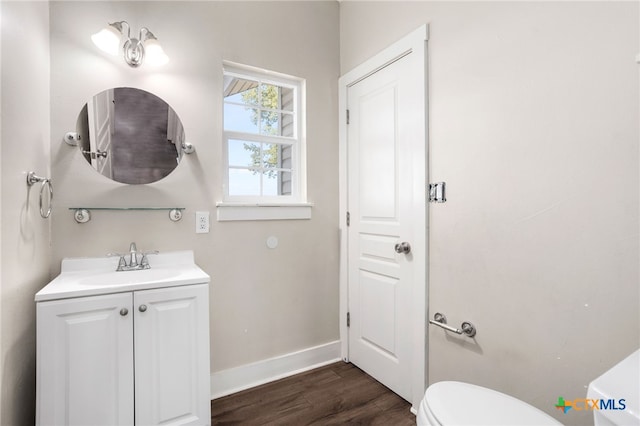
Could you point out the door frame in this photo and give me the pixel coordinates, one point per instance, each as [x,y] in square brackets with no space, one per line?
[414,43]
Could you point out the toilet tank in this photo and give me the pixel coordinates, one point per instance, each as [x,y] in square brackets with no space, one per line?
[622,382]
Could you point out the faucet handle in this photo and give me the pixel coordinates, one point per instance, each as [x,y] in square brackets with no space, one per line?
[144,263]
[122,263]
[120,255]
[132,247]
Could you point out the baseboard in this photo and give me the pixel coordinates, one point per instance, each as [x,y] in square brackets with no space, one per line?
[236,379]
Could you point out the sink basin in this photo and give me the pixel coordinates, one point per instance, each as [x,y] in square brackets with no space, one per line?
[94,276]
[128,277]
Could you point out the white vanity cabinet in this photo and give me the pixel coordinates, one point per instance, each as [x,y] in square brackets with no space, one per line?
[138,357]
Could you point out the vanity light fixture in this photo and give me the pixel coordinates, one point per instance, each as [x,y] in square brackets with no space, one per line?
[135,50]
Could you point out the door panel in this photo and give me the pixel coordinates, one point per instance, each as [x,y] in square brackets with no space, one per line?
[378,148]
[378,311]
[172,356]
[85,361]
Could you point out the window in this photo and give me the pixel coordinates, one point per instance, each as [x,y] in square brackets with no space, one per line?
[263,137]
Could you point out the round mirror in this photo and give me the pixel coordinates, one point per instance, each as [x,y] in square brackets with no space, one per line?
[130,135]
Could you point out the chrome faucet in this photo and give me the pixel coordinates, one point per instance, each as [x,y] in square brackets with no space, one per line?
[133,264]
[133,255]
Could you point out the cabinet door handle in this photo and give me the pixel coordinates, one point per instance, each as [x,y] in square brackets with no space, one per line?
[124,312]
[142,308]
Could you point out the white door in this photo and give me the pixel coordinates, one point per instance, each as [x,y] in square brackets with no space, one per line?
[85,361]
[100,113]
[175,132]
[172,356]
[386,236]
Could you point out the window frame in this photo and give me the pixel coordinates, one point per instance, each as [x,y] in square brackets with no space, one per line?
[297,141]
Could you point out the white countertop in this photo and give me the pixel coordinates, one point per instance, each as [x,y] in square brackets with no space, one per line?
[97,275]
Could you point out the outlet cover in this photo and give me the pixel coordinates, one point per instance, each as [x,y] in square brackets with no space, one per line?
[202,222]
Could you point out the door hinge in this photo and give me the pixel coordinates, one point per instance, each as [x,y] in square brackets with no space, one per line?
[348,219]
[347,116]
[348,319]
[437,192]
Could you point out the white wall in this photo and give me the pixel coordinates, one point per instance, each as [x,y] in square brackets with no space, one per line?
[24,146]
[264,303]
[534,126]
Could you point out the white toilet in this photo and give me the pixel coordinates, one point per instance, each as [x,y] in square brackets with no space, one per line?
[457,403]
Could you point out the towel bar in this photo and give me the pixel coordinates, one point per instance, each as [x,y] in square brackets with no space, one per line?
[441,321]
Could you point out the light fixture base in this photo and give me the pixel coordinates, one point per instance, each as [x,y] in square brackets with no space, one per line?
[133,52]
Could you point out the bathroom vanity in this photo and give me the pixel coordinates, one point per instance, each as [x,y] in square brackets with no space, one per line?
[126,347]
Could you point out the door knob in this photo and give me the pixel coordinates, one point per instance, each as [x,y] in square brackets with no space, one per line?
[124,311]
[403,247]
[142,308]
[96,154]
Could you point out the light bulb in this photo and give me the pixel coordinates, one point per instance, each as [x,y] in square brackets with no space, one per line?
[153,53]
[108,40]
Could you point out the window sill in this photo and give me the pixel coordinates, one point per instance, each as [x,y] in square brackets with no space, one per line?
[240,211]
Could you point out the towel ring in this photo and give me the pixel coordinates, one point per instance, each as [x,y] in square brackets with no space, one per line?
[46,183]
[32,179]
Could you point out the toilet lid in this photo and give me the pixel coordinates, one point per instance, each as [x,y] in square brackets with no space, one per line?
[457,403]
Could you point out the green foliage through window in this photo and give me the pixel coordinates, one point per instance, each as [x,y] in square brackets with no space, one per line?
[265,96]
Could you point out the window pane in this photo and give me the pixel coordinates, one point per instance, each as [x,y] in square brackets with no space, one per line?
[273,123]
[241,90]
[269,96]
[286,98]
[270,183]
[286,157]
[270,156]
[240,119]
[270,123]
[285,183]
[242,153]
[286,125]
[277,182]
[244,182]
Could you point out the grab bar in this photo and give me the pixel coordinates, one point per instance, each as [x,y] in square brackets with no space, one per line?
[32,179]
[441,321]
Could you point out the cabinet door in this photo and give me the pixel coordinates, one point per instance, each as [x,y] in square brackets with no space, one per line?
[172,356]
[85,361]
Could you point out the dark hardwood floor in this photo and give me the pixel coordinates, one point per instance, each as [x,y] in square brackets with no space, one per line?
[336,394]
